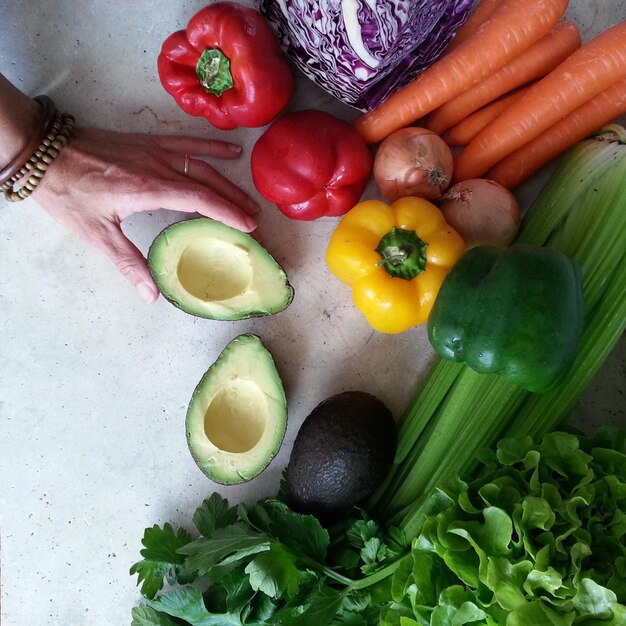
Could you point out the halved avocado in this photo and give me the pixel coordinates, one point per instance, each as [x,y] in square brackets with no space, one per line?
[237,416]
[211,270]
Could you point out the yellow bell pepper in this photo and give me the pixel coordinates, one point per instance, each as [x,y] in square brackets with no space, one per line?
[395,257]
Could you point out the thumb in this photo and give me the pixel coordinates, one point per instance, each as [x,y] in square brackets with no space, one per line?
[129,261]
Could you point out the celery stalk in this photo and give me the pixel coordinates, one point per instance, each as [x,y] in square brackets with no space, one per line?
[436,384]
[418,417]
[580,166]
[457,421]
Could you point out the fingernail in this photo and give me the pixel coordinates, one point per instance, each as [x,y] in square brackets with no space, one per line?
[147,292]
[250,223]
[234,148]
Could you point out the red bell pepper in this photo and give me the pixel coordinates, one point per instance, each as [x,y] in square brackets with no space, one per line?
[227,67]
[311,164]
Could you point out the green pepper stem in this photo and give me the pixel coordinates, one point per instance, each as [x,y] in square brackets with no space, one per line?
[213,70]
[403,253]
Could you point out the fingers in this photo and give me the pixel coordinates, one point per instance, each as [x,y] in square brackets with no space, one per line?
[197,198]
[128,260]
[205,174]
[174,144]
[196,146]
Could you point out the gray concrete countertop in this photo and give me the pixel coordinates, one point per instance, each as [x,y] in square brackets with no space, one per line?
[94,383]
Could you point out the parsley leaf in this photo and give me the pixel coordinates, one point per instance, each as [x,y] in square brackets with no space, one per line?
[239,592]
[356,601]
[350,619]
[161,559]
[274,572]
[397,542]
[375,546]
[186,603]
[362,531]
[226,545]
[262,608]
[303,533]
[347,559]
[321,609]
[214,513]
[373,552]
[146,616]
[267,564]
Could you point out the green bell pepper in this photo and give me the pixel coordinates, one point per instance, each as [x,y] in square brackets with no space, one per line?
[515,311]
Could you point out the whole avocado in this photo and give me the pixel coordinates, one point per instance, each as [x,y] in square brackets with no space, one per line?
[341,453]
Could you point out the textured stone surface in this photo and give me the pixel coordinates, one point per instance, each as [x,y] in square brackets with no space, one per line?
[94,384]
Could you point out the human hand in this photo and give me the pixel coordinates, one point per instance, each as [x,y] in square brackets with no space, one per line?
[102,177]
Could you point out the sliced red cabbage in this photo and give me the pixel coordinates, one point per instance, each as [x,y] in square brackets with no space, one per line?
[362,50]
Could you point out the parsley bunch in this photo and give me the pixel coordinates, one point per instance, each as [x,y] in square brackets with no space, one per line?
[266,565]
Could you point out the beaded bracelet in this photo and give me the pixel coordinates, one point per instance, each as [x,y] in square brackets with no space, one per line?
[54,134]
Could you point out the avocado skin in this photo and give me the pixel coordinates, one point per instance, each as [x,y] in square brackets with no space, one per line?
[341,453]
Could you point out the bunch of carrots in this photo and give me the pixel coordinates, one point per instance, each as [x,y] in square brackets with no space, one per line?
[514,89]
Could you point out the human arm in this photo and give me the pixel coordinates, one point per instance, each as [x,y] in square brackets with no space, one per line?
[101,177]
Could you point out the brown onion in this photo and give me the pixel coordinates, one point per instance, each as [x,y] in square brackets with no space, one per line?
[413,162]
[482,211]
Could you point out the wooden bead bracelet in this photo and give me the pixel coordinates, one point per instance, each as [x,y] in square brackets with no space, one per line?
[33,161]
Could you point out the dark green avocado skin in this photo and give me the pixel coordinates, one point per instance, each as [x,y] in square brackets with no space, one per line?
[341,453]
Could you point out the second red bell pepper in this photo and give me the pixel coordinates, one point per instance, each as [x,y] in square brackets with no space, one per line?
[227,67]
[311,164]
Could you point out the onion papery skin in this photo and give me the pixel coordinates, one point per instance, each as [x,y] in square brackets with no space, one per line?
[413,161]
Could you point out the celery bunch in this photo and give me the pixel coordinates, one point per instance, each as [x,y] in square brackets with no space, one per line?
[456,412]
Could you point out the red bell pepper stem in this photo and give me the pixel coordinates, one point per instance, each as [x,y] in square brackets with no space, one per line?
[213,69]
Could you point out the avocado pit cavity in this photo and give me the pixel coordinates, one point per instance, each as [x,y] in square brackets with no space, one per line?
[214,270]
[236,418]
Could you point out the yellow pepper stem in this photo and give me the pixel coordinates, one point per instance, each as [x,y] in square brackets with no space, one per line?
[403,253]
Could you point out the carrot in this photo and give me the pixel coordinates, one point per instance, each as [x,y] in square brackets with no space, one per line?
[514,169]
[513,26]
[476,19]
[540,59]
[593,68]
[467,129]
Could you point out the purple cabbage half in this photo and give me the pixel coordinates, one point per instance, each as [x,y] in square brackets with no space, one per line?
[361,51]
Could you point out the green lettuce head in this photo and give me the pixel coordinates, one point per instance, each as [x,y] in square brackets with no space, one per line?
[537,537]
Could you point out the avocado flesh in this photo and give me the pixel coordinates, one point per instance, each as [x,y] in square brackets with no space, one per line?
[210,270]
[237,416]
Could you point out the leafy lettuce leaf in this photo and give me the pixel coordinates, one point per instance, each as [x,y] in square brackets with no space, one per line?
[536,537]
